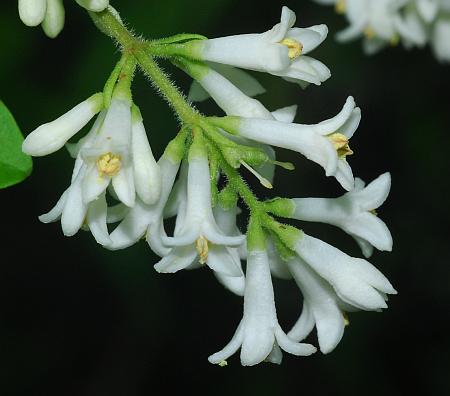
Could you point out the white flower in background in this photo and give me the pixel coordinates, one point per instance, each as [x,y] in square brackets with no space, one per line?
[50,13]
[199,237]
[353,212]
[115,152]
[279,51]
[414,23]
[325,143]
[440,38]
[259,332]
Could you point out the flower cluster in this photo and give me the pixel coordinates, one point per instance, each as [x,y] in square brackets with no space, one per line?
[198,179]
[381,23]
[51,14]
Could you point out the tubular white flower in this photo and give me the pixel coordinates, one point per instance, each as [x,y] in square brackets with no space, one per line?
[355,281]
[71,208]
[93,5]
[53,22]
[143,218]
[259,328]
[50,137]
[353,213]
[315,142]
[320,308]
[199,235]
[279,51]
[32,12]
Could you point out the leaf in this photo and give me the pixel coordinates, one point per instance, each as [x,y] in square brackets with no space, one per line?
[15,166]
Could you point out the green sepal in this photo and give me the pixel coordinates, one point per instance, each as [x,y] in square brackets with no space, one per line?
[214,169]
[284,252]
[256,236]
[15,166]
[179,39]
[177,147]
[112,81]
[228,198]
[281,207]
[288,234]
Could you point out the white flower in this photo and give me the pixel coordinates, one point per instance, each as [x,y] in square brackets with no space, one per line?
[353,213]
[259,333]
[355,281]
[325,143]
[440,38]
[51,14]
[199,236]
[279,51]
[116,151]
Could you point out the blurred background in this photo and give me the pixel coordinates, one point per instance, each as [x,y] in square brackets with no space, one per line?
[76,319]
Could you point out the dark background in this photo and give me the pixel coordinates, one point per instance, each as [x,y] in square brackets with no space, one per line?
[78,320]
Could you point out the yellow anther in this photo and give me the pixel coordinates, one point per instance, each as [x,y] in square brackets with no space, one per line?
[109,164]
[346,320]
[374,212]
[369,33]
[294,46]
[223,363]
[340,143]
[395,39]
[341,6]
[202,248]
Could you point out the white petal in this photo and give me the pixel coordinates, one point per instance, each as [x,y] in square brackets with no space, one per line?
[50,137]
[276,356]
[235,284]
[231,348]
[285,114]
[306,69]
[259,310]
[179,258]
[117,213]
[54,18]
[374,194]
[123,184]
[32,12]
[440,39]
[304,325]
[96,219]
[74,212]
[322,301]
[56,212]
[93,184]
[132,228]
[155,237]
[221,259]
[310,37]
[290,346]
[344,175]
[146,170]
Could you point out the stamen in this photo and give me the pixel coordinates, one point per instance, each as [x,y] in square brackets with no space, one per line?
[346,319]
[340,143]
[285,165]
[202,248]
[266,183]
[294,46]
[340,6]
[223,363]
[369,33]
[109,164]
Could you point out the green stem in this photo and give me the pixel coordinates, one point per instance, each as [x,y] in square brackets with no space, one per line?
[107,23]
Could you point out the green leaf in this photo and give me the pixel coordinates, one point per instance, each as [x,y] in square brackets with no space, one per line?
[15,166]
